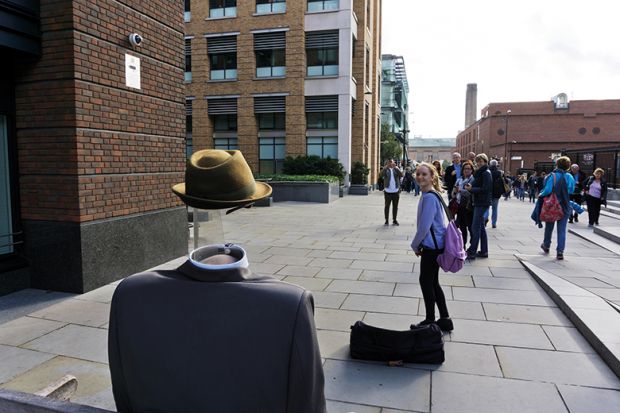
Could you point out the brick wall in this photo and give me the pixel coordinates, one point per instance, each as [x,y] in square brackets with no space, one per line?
[539,130]
[89,146]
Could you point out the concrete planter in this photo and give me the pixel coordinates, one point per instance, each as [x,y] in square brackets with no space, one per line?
[323,192]
[359,190]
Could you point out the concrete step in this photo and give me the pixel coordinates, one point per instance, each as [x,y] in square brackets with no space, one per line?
[593,316]
[611,208]
[589,235]
[613,203]
[611,233]
[610,214]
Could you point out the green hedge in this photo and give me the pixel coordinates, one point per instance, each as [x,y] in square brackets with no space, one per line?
[313,165]
[297,178]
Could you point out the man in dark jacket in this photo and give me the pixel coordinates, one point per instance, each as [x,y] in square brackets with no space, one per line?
[482,194]
[453,172]
[497,192]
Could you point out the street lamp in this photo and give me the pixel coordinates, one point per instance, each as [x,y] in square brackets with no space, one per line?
[506,160]
[405,154]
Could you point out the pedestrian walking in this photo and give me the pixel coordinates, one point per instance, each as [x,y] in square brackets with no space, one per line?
[521,188]
[561,183]
[428,243]
[482,191]
[531,186]
[596,194]
[576,195]
[465,212]
[498,191]
[391,193]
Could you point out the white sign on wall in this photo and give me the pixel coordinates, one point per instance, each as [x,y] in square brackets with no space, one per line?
[132,71]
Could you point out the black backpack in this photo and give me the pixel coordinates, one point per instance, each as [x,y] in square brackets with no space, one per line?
[380,183]
[422,344]
[498,185]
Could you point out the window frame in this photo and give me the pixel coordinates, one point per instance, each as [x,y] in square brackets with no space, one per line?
[271,3]
[277,144]
[323,145]
[229,73]
[228,8]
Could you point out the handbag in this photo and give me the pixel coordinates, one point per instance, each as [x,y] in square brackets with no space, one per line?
[423,344]
[453,206]
[380,183]
[551,210]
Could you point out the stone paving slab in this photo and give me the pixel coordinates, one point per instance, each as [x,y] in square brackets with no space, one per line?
[467,393]
[525,314]
[15,361]
[94,384]
[83,312]
[501,334]
[24,329]
[381,304]
[81,342]
[568,339]
[378,385]
[587,400]
[490,295]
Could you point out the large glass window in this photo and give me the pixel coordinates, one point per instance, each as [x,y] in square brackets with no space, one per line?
[6,227]
[270,63]
[227,144]
[222,8]
[271,121]
[188,60]
[323,146]
[322,120]
[322,62]
[270,6]
[271,155]
[320,5]
[223,66]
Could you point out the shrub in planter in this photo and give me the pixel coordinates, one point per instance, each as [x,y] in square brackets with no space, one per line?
[313,165]
[359,173]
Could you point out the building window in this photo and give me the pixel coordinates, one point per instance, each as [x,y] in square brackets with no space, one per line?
[271,121]
[322,53]
[321,5]
[188,60]
[6,220]
[270,54]
[322,146]
[225,123]
[188,13]
[227,144]
[222,53]
[270,6]
[188,127]
[222,8]
[271,155]
[322,120]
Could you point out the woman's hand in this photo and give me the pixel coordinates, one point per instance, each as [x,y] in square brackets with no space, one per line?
[418,253]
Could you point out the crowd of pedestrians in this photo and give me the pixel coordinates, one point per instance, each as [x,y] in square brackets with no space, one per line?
[475,185]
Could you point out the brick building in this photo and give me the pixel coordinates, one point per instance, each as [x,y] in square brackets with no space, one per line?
[91,140]
[531,132]
[275,78]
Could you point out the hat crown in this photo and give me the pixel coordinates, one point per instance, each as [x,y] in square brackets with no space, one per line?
[219,175]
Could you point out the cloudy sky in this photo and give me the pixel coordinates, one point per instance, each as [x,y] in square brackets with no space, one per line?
[529,50]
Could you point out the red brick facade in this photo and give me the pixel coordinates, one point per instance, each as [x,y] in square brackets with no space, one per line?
[89,146]
[537,130]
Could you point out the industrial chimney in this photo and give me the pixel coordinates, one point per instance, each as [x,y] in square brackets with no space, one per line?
[471,100]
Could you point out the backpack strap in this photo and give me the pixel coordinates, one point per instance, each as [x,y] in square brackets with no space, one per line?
[434,239]
[445,207]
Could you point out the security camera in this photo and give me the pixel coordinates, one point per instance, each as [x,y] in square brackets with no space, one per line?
[135,39]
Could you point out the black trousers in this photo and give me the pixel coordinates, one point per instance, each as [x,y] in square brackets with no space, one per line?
[594,209]
[391,198]
[464,218]
[429,282]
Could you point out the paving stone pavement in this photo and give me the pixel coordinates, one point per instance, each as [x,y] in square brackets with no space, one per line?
[512,350]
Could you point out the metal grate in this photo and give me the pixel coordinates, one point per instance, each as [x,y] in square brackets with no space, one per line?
[270,104]
[222,106]
[224,44]
[322,39]
[269,41]
[322,103]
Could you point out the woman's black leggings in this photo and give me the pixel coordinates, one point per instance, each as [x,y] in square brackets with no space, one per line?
[429,282]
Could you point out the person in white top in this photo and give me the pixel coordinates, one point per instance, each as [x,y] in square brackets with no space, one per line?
[391,176]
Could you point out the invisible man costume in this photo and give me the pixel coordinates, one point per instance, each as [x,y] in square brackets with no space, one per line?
[214,338]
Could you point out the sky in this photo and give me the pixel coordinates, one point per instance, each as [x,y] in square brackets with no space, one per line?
[515,51]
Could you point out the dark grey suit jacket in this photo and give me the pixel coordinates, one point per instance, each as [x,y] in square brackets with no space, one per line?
[192,340]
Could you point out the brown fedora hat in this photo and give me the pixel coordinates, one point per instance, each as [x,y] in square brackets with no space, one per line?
[217,179]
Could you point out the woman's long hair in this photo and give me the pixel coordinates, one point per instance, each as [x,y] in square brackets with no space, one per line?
[434,175]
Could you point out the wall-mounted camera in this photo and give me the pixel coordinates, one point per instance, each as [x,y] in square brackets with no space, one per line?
[135,39]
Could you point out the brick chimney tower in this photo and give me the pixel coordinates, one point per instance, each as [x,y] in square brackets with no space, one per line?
[471,102]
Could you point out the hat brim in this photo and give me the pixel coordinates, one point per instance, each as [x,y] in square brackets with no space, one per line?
[263,190]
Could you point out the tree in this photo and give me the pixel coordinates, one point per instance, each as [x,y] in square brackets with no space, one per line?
[391,148]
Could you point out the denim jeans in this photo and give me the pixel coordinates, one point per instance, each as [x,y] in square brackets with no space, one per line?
[494,207]
[478,232]
[561,233]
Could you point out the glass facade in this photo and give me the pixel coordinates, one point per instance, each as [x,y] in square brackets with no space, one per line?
[271,155]
[322,146]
